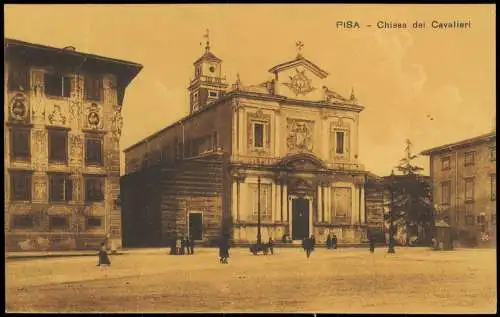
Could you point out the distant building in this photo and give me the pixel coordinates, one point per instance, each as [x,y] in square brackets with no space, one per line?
[291,131]
[464,186]
[62,125]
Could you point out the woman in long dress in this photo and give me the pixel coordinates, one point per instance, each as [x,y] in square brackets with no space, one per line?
[103,256]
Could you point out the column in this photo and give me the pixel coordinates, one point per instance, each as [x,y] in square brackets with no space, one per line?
[328,203]
[242,197]
[319,204]
[234,200]
[273,199]
[354,205]
[235,130]
[363,215]
[277,197]
[277,129]
[240,131]
[284,204]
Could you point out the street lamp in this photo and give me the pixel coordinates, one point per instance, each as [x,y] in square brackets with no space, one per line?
[259,236]
[391,215]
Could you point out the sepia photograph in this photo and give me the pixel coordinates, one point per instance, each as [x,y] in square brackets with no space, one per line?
[250,158]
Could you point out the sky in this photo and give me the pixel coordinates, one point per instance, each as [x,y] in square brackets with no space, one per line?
[403,77]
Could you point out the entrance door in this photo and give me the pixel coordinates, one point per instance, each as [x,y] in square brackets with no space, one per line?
[300,218]
[196,225]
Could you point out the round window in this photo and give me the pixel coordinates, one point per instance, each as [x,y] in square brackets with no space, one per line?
[212,69]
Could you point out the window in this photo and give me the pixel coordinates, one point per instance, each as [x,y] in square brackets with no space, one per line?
[339,144]
[20,186]
[258,131]
[493,181]
[469,214]
[58,222]
[20,144]
[469,189]
[446,193]
[493,154]
[18,78]
[445,163]
[94,189]
[23,221]
[58,146]
[212,94]
[57,85]
[265,201]
[469,158]
[61,188]
[93,151]
[94,222]
[93,88]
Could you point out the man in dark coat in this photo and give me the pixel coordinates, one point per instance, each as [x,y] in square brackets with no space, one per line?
[103,256]
[191,245]
[371,240]
[270,245]
[334,241]
[224,250]
[328,241]
[308,246]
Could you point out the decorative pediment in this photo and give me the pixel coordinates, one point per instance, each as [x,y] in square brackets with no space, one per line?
[300,61]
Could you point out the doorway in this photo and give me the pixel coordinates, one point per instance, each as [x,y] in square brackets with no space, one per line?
[196,225]
[300,218]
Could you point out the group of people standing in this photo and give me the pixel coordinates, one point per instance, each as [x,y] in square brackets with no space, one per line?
[331,241]
[182,246]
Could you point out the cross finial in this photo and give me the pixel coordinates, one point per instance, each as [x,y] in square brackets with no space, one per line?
[299,45]
[207,37]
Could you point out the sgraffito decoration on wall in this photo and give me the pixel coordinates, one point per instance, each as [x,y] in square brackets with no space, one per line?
[299,83]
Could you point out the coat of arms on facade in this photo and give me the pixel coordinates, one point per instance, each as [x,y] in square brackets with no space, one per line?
[18,108]
[56,117]
[299,135]
[299,83]
[93,117]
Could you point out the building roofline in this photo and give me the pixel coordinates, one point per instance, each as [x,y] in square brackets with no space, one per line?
[240,93]
[460,144]
[9,41]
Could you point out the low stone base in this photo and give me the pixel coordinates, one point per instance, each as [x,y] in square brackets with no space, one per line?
[46,241]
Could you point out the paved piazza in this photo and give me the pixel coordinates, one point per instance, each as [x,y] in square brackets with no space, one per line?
[347,280]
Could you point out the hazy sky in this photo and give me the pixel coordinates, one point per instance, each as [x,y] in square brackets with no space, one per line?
[400,76]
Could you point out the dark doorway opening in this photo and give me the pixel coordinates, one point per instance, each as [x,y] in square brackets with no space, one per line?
[300,218]
[196,225]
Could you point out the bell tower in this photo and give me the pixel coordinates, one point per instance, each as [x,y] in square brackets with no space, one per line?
[208,83]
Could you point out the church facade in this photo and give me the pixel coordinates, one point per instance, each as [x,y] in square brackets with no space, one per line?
[290,133]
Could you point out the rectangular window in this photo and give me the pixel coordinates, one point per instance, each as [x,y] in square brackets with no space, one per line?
[18,78]
[445,163]
[469,158]
[94,189]
[58,222]
[469,214]
[493,183]
[58,146]
[339,144]
[258,131]
[493,154]
[446,193]
[23,221]
[93,151]
[57,85]
[469,189]
[61,188]
[265,201]
[94,222]
[20,186]
[93,88]
[20,144]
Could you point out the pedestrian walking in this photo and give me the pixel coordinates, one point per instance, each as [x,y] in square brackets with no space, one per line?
[103,258]
[270,245]
[190,245]
[178,246]
[334,241]
[224,250]
[313,242]
[371,240]
[308,243]
[328,241]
